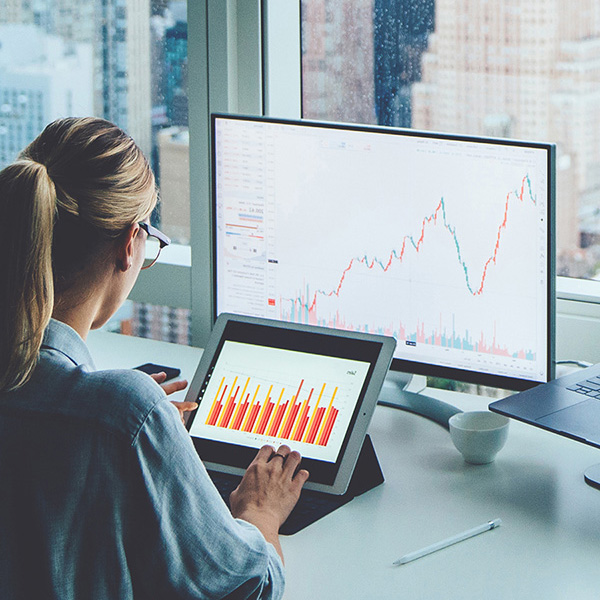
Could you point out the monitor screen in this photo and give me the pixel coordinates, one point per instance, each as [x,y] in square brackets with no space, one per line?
[444,242]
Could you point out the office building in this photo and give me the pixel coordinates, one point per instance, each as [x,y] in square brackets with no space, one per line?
[120,37]
[39,82]
[337,61]
[525,70]
[176,98]
[15,11]
[157,323]
[123,67]
[401,30]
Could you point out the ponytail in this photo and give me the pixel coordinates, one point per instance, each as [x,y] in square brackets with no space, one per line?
[76,188]
[27,209]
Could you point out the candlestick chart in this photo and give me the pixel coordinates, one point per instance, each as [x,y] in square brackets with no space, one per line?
[305,305]
[443,243]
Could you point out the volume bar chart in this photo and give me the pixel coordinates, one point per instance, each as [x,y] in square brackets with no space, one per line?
[300,413]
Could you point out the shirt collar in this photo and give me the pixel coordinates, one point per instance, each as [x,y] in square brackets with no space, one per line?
[62,338]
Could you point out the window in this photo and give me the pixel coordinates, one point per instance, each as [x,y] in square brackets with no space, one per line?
[505,70]
[578,297]
[122,60]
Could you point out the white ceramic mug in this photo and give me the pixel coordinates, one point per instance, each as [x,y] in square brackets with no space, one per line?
[478,435]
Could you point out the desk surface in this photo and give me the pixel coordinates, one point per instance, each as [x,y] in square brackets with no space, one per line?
[548,545]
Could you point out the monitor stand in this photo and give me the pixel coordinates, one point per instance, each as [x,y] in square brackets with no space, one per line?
[397,393]
[592,476]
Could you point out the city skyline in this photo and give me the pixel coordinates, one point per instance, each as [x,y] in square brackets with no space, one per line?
[514,69]
[122,60]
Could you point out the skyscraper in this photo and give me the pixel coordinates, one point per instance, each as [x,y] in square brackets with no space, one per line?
[119,34]
[526,70]
[401,30]
[39,82]
[337,60]
[176,97]
[123,67]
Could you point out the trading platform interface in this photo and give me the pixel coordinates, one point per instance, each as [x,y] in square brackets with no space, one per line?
[440,242]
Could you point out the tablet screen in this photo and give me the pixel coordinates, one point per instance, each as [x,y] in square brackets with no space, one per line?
[273,386]
[258,395]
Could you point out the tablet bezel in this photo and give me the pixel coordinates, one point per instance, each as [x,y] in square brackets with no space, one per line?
[333,478]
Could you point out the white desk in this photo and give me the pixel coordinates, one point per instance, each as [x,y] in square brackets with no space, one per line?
[548,546]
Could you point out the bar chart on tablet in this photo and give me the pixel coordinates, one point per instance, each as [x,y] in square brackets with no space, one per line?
[304,416]
[259,395]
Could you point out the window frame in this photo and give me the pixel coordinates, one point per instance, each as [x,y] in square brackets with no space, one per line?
[245,57]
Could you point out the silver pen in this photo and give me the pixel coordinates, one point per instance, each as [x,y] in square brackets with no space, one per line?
[448,542]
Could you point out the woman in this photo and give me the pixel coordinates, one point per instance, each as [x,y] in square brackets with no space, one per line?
[102,494]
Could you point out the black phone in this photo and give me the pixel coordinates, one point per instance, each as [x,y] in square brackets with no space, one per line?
[152,368]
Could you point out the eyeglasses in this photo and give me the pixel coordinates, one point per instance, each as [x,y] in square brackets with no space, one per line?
[153,252]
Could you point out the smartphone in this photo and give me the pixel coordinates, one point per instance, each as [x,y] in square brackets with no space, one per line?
[151,369]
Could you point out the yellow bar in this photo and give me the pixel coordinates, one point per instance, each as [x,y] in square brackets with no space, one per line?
[262,410]
[312,419]
[239,406]
[220,424]
[210,412]
[318,439]
[274,413]
[243,427]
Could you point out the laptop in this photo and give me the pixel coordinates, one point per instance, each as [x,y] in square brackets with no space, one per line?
[569,406]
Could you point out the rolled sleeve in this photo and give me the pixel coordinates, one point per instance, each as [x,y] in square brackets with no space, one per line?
[191,545]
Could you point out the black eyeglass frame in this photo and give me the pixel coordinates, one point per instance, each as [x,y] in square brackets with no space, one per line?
[163,240]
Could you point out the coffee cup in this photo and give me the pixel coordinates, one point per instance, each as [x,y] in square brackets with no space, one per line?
[478,435]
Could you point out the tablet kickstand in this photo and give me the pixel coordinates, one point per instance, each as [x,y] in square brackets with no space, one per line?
[367,473]
[314,505]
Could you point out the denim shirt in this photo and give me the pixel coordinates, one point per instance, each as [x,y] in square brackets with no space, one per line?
[102,493]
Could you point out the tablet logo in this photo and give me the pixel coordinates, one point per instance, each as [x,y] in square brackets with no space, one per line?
[350,372]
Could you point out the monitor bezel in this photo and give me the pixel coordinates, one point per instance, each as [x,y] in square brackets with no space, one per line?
[398,364]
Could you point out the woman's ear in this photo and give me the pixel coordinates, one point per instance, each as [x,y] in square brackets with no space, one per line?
[126,248]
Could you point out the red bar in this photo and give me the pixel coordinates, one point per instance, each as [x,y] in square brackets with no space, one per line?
[330,423]
[265,419]
[217,409]
[291,421]
[228,414]
[301,429]
[315,426]
[231,408]
[277,419]
[240,418]
[253,416]
[228,404]
[236,421]
[299,388]
[303,418]
[242,412]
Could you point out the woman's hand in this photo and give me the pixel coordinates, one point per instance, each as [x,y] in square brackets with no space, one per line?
[269,491]
[184,408]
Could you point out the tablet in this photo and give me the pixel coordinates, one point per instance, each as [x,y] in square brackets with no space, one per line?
[313,388]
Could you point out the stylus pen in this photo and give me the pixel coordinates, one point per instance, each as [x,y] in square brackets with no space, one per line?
[448,542]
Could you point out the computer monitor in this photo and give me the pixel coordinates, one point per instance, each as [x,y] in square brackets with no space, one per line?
[445,242]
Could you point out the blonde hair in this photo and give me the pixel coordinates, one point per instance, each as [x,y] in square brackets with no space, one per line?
[76,188]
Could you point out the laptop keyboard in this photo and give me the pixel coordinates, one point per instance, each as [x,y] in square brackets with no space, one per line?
[311,506]
[587,387]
